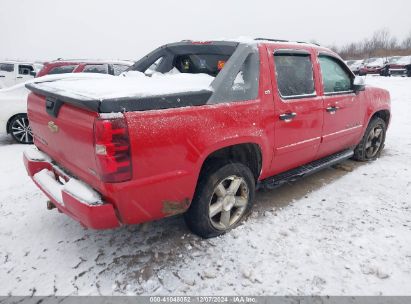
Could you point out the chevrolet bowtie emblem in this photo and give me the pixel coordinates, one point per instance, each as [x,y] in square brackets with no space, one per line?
[53,127]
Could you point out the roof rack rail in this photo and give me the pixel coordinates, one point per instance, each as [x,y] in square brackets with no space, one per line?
[283,40]
[315,43]
[271,39]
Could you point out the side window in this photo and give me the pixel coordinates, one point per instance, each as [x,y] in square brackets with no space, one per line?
[62,69]
[119,68]
[6,67]
[96,68]
[25,69]
[335,78]
[294,72]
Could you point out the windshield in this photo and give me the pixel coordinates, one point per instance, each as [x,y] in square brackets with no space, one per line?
[370,60]
[404,60]
[393,59]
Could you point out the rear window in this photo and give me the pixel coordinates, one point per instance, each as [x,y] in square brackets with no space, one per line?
[294,75]
[200,63]
[187,57]
[62,69]
[6,67]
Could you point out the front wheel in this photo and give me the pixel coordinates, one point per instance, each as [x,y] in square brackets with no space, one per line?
[20,129]
[223,198]
[372,143]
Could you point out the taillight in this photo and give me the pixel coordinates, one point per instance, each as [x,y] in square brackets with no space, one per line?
[112,149]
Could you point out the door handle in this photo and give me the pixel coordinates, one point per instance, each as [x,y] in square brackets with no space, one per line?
[18,77]
[2,76]
[332,109]
[288,116]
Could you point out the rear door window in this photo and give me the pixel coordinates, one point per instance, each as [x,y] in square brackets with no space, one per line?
[336,79]
[294,72]
[6,67]
[62,69]
[96,68]
[119,68]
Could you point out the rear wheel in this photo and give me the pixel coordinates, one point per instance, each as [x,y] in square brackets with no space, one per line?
[223,198]
[372,143]
[20,130]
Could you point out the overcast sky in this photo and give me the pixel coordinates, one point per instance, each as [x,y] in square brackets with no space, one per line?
[128,29]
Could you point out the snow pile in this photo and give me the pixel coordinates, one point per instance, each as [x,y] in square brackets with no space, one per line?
[82,192]
[136,84]
[46,179]
[35,154]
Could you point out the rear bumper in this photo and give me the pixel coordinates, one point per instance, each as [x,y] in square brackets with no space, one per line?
[68,194]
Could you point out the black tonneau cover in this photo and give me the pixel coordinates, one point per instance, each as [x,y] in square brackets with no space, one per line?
[54,101]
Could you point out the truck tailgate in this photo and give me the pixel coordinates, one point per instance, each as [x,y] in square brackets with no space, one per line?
[67,138]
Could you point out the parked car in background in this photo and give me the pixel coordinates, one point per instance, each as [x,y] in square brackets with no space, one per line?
[13,107]
[110,67]
[407,61]
[401,67]
[14,72]
[214,120]
[372,66]
[390,65]
[355,65]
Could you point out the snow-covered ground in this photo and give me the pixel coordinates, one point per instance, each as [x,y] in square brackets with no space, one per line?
[346,230]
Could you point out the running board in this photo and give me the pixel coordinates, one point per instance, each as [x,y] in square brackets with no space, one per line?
[310,168]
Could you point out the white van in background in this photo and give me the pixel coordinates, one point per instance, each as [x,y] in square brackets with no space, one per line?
[14,72]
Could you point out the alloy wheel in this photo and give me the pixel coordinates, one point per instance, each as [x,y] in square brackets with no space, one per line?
[228,202]
[21,130]
[374,141]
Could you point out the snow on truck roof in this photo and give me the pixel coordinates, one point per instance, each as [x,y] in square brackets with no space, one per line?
[273,41]
[253,41]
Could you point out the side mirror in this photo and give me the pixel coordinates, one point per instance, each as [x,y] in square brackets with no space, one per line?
[358,84]
[33,73]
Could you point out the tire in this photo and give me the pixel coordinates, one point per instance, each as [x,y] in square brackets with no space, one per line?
[372,142]
[20,130]
[223,187]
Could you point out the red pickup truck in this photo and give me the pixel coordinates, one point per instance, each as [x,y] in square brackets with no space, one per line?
[196,128]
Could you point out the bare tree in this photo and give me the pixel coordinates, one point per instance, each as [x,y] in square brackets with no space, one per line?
[381,44]
[406,44]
